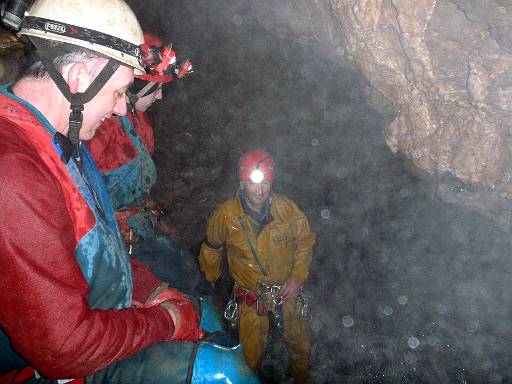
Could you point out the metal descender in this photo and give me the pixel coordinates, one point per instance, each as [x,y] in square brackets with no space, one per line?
[303,303]
[268,295]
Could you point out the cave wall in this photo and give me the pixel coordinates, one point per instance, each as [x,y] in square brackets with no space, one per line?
[441,69]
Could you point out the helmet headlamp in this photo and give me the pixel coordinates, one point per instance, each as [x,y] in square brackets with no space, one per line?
[257,175]
[160,61]
[256,166]
[13,12]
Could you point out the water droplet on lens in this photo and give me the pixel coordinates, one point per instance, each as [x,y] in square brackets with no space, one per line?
[238,20]
[472,326]
[432,340]
[413,342]
[441,308]
[325,214]
[348,321]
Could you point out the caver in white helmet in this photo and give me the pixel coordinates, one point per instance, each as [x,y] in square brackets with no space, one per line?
[108,27]
[105,26]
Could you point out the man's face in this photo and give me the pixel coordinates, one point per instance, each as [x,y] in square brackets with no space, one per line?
[146,101]
[110,100]
[256,193]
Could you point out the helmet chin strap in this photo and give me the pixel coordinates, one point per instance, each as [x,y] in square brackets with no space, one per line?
[133,98]
[145,90]
[77,100]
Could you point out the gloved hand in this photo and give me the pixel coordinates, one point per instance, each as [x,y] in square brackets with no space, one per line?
[186,321]
[184,314]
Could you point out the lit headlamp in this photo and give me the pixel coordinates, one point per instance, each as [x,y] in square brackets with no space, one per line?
[256,166]
[257,175]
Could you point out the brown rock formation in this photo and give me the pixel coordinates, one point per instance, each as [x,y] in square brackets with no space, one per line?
[443,66]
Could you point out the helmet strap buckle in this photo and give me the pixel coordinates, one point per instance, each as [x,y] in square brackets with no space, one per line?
[76,119]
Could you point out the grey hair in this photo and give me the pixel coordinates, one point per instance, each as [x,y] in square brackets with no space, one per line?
[34,67]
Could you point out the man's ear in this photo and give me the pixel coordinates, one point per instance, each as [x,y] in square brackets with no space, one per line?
[78,77]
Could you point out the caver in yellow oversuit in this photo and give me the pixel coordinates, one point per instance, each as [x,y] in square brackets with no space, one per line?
[282,249]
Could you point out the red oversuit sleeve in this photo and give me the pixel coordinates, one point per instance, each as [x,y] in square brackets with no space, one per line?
[144,281]
[43,295]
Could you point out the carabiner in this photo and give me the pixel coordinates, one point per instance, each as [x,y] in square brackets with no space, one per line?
[231,311]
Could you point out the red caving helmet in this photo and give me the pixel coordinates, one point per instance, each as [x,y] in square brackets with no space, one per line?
[158,59]
[160,64]
[256,166]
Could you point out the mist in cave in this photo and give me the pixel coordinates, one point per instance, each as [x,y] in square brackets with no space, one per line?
[406,288]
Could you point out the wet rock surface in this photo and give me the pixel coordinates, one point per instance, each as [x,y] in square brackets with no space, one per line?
[409,287]
[441,69]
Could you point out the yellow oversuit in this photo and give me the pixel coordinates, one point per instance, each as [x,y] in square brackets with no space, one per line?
[284,248]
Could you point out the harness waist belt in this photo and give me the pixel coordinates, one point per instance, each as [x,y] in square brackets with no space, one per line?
[250,298]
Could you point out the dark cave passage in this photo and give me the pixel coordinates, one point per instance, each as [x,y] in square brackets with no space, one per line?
[407,288]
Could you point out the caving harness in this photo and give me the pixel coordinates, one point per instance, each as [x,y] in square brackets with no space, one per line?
[266,301]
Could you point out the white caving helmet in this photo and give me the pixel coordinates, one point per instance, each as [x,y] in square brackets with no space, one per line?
[108,27]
